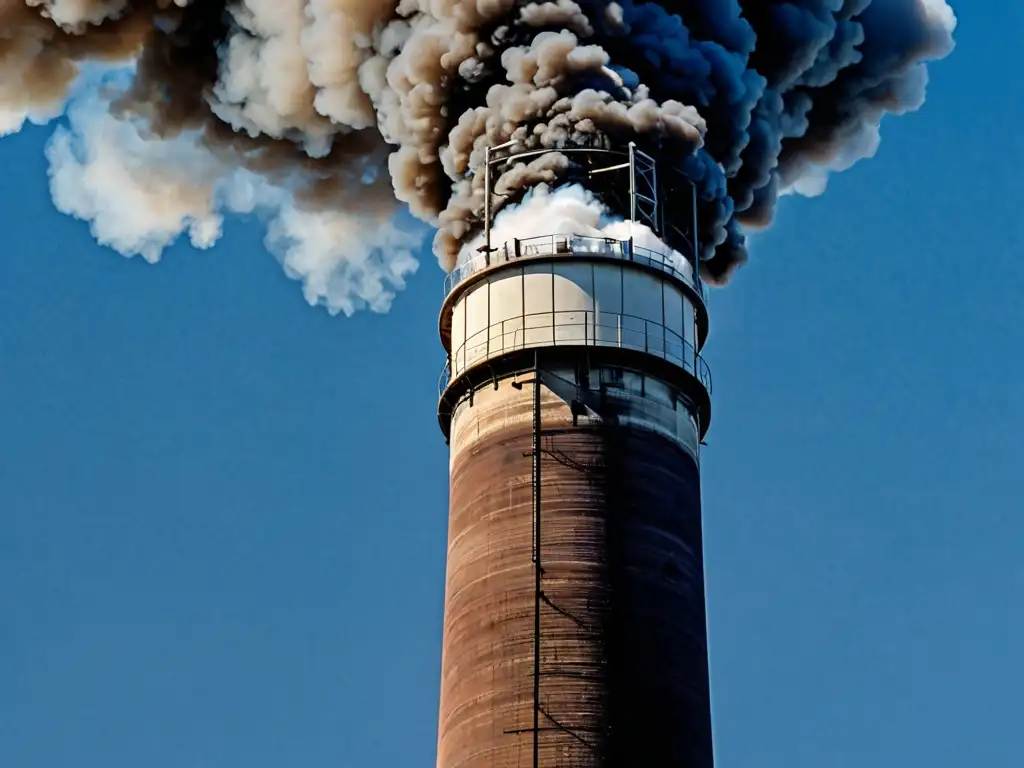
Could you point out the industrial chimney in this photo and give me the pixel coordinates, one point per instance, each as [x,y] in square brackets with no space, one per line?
[575,400]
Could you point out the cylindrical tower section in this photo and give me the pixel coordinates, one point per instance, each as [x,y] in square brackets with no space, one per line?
[575,401]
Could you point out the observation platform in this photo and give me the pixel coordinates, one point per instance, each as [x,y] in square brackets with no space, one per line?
[547,247]
[645,310]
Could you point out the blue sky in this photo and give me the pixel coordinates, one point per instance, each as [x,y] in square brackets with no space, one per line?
[223,512]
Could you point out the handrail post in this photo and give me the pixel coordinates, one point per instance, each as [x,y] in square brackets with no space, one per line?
[487,199]
[632,190]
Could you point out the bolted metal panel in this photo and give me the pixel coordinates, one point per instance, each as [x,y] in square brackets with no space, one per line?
[622,670]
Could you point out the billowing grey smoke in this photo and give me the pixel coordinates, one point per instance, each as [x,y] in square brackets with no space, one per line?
[326,115]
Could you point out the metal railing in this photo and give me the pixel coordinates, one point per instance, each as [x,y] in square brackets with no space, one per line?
[571,245]
[576,328]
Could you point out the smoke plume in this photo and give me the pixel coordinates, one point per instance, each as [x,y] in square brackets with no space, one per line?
[336,119]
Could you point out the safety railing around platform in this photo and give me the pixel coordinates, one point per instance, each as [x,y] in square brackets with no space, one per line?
[576,328]
[577,245]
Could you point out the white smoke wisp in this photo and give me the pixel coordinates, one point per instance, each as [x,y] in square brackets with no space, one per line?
[12,120]
[941,16]
[568,211]
[345,263]
[140,194]
[76,14]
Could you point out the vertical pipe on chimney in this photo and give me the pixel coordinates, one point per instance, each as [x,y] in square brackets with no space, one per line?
[536,560]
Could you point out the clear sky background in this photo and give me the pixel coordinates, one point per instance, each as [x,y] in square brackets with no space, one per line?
[223,513]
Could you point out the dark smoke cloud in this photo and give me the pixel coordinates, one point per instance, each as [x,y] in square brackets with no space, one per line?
[326,114]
